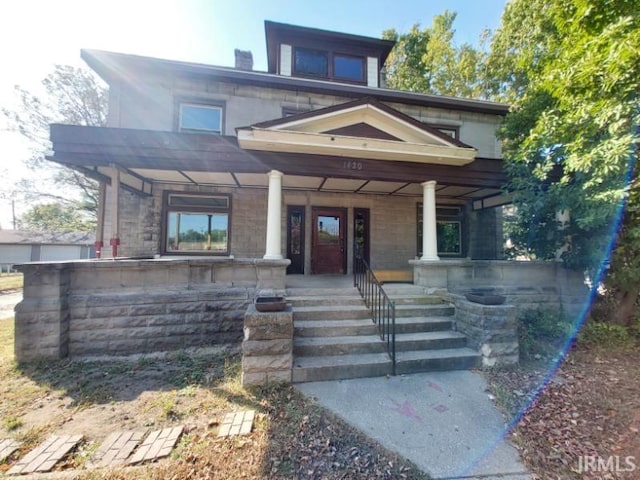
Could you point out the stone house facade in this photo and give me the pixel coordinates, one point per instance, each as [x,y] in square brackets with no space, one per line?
[376,190]
[218,182]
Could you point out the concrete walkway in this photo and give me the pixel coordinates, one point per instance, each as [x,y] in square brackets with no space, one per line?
[444,422]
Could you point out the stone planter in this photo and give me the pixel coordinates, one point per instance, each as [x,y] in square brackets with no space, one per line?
[485,298]
[270,304]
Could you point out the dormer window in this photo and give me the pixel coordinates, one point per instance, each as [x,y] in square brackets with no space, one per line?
[327,64]
[311,62]
[348,67]
[325,55]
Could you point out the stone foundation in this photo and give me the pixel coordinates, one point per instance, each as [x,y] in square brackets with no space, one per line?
[267,349]
[124,307]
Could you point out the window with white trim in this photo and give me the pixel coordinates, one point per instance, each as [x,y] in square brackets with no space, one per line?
[200,118]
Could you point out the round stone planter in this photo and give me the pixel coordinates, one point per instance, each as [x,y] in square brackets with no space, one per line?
[486,298]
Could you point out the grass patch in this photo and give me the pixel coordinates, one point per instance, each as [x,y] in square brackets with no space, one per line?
[10,281]
[11,423]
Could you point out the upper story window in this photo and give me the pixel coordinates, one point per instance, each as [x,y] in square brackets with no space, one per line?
[348,67]
[200,118]
[328,64]
[453,132]
[311,62]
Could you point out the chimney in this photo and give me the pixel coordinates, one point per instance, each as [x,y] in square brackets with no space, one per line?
[244,59]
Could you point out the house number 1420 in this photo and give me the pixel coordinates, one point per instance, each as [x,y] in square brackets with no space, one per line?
[352,165]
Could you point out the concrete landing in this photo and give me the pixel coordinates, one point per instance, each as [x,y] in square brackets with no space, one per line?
[444,422]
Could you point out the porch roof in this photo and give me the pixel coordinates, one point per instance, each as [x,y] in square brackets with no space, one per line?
[146,158]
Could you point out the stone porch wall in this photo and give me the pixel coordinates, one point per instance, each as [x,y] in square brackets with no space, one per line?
[136,306]
[525,284]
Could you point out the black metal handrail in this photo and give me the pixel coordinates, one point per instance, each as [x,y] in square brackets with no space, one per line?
[383,309]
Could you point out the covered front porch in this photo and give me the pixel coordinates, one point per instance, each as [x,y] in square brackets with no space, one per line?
[311,188]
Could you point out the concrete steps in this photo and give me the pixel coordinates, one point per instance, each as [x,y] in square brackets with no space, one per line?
[436,360]
[334,367]
[335,337]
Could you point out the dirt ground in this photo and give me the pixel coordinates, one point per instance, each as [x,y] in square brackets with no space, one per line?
[292,438]
[590,409]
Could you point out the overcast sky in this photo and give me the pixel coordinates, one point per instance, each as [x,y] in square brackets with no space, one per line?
[35,35]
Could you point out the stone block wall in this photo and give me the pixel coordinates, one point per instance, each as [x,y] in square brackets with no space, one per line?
[525,284]
[123,307]
[152,321]
[42,319]
[485,234]
[267,349]
[490,329]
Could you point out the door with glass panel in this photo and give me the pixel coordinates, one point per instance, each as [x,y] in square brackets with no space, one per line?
[295,239]
[328,253]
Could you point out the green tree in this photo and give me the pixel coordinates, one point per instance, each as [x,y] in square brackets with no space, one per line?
[55,217]
[571,70]
[428,61]
[70,95]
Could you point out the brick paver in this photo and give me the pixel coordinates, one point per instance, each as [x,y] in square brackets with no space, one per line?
[116,448]
[158,444]
[45,456]
[238,423]
[7,447]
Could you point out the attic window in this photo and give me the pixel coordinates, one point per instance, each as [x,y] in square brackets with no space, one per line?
[311,62]
[348,67]
[308,62]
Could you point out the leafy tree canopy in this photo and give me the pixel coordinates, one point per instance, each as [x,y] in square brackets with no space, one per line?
[70,95]
[571,71]
[427,60]
[57,218]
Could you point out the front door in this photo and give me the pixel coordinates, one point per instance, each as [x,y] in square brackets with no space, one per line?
[328,241]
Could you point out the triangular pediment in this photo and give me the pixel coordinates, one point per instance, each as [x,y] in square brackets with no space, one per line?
[365,128]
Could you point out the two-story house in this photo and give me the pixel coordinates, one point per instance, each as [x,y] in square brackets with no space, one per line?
[216,183]
[303,161]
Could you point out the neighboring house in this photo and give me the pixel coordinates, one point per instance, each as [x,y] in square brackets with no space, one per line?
[19,246]
[195,148]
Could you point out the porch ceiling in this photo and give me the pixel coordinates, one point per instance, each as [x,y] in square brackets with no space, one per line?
[146,158]
[294,182]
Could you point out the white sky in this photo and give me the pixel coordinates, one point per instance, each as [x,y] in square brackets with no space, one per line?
[35,35]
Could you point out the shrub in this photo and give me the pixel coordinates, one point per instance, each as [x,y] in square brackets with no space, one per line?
[542,332]
[605,335]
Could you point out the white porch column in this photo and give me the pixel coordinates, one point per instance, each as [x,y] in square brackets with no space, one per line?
[274,216]
[429,237]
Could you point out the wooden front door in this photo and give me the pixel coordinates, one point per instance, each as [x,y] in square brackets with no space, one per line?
[295,238]
[329,241]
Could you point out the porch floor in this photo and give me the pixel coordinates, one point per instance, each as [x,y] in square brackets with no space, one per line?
[341,281]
